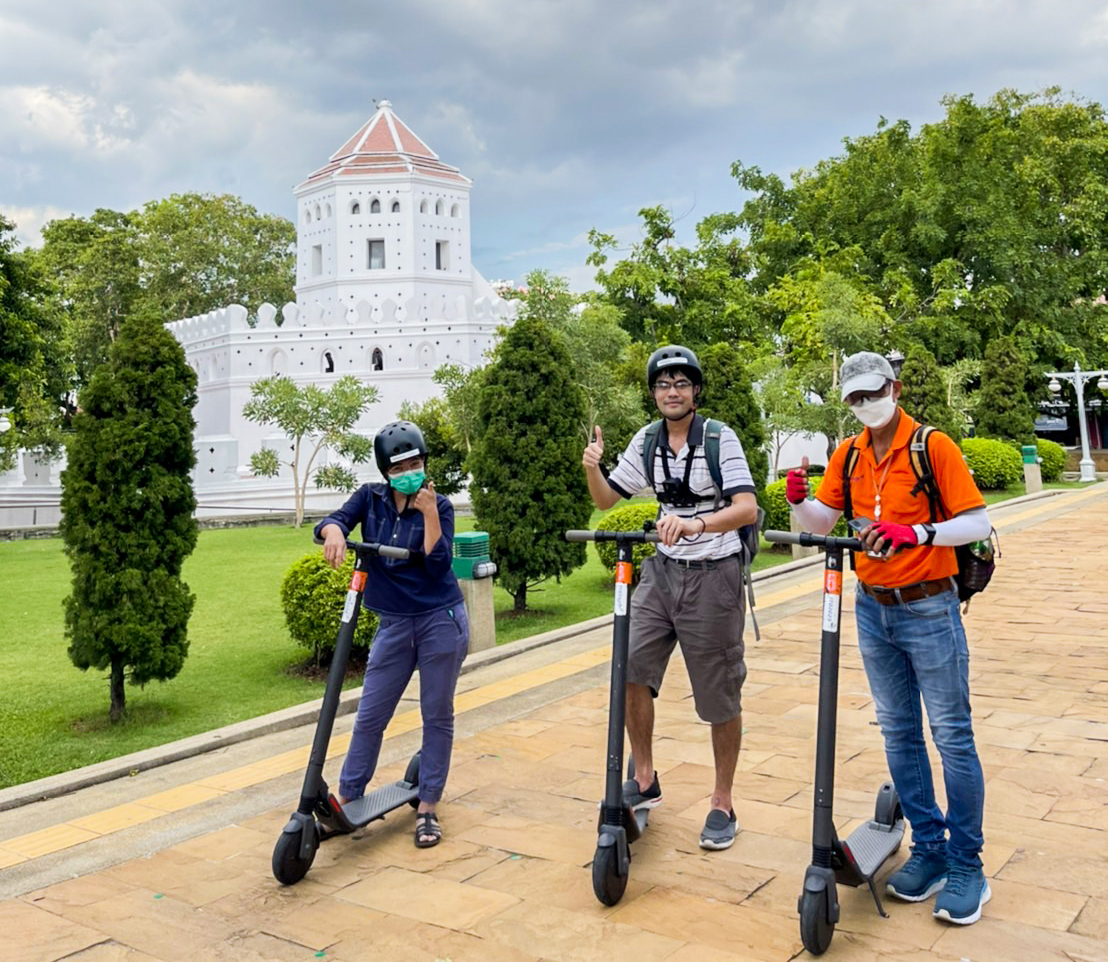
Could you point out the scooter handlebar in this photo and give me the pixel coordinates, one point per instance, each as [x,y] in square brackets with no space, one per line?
[808,540]
[651,536]
[372,547]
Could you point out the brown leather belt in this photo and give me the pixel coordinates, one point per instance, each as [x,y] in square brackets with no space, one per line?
[916,592]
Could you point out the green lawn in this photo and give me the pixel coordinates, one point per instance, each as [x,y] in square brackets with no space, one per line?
[55,717]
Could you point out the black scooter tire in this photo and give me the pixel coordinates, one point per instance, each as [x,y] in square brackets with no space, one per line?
[411,776]
[288,867]
[815,927]
[607,884]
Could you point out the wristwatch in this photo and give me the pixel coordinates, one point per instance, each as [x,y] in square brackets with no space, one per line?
[929,530]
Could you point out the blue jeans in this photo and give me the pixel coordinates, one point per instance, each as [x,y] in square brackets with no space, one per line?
[909,650]
[436,643]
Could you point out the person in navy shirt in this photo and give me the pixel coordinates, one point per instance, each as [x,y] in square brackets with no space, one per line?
[422,618]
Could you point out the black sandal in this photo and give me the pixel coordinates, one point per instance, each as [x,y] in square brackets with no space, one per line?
[427,824]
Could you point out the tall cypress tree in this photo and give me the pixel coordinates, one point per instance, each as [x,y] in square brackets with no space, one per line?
[127,511]
[528,484]
[924,394]
[1003,409]
[729,397]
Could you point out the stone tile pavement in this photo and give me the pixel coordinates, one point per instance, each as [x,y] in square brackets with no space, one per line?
[511,879]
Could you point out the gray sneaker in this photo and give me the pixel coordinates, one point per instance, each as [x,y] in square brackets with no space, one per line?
[637,798]
[719,830]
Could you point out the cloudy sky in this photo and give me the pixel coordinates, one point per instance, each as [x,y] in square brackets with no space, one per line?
[567,114]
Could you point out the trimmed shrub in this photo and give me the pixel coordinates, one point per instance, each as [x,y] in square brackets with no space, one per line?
[777,508]
[995,464]
[1054,459]
[312,597]
[627,517]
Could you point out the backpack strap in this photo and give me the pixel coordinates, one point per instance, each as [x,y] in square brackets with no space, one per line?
[850,462]
[712,431]
[919,455]
[649,448]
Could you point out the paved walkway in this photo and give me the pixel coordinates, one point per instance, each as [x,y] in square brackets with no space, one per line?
[174,863]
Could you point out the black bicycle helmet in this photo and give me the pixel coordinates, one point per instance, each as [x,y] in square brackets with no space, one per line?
[398,441]
[673,356]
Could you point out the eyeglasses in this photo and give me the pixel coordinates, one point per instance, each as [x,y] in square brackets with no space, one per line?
[412,464]
[662,387]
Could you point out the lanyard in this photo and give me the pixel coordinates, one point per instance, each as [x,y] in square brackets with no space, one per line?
[878,485]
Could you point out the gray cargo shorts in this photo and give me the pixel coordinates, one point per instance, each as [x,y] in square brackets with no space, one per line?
[704,609]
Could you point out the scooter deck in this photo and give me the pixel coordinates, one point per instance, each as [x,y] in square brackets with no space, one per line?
[872,843]
[361,811]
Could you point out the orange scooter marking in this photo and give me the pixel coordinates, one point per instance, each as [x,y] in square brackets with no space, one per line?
[623,572]
[357,583]
[833,582]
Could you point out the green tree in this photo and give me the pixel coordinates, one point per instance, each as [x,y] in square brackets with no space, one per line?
[729,397]
[445,454]
[783,400]
[127,512]
[34,377]
[312,418]
[667,293]
[201,252]
[462,393]
[1003,409]
[596,343]
[94,266]
[528,487]
[924,393]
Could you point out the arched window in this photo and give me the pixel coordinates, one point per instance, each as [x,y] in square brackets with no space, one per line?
[375,206]
[328,363]
[317,211]
[396,207]
[307,216]
[455,211]
[439,208]
[355,208]
[423,207]
[328,210]
[378,362]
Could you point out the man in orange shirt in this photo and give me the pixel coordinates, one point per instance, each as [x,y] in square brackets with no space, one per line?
[909,628]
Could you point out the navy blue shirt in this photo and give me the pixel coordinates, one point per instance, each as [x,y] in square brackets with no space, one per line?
[422,583]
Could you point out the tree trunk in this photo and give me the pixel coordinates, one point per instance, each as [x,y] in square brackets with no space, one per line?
[297,496]
[119,696]
[521,597]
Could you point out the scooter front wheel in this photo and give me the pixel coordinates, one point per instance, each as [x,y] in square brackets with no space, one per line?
[289,866]
[607,884]
[816,927]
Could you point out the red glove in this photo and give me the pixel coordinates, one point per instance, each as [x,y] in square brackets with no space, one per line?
[896,536]
[796,485]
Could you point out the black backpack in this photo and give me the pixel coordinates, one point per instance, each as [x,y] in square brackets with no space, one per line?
[749,534]
[974,569]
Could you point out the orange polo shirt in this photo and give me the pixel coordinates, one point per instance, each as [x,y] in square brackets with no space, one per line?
[895,479]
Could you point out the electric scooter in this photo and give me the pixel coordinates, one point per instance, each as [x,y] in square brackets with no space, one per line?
[855,860]
[617,825]
[319,815]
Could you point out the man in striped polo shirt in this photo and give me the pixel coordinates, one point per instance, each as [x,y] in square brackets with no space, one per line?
[691,589]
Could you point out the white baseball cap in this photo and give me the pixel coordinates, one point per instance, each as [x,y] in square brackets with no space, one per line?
[865,371]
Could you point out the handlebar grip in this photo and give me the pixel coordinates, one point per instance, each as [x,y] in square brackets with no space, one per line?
[384,550]
[637,536]
[782,537]
[579,536]
[808,540]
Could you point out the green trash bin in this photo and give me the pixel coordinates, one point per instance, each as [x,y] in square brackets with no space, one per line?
[1030,454]
[470,548]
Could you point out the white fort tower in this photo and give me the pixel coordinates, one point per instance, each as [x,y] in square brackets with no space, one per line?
[385,290]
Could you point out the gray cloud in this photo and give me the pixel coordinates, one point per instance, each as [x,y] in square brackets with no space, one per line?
[567,114]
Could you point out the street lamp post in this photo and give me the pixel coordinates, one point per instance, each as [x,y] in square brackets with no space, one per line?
[1078,379]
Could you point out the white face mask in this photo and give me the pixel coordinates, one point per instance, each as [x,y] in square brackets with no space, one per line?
[875,413]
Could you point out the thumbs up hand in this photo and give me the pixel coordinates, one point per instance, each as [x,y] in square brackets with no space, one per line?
[594,451]
[796,483]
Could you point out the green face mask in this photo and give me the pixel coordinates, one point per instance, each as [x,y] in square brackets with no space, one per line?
[409,482]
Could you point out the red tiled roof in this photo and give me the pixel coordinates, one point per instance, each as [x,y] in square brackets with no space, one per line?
[384,145]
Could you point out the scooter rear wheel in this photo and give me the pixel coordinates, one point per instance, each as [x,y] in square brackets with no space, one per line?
[607,884]
[411,776]
[288,866]
[816,928]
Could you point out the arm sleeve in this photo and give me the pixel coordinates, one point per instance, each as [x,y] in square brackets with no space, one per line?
[972,525]
[627,477]
[830,490]
[815,516]
[442,555]
[953,477]
[733,466]
[348,516]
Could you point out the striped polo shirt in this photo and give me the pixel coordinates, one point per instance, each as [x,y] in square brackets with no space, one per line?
[627,479]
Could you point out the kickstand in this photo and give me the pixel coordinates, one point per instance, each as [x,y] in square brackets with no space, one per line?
[877,898]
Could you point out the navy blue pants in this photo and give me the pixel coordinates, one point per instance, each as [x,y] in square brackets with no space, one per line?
[436,643]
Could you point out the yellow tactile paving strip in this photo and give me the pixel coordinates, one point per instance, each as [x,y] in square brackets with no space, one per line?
[65,835]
